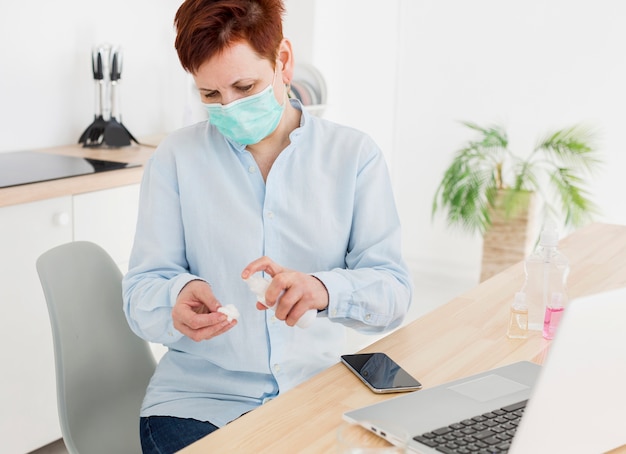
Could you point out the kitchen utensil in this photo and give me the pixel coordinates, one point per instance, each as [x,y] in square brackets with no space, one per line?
[107,128]
[93,136]
[115,133]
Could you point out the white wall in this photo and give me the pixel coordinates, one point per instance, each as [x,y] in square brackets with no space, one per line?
[355,47]
[299,28]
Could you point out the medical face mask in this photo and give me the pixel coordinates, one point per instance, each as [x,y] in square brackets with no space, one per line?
[247,120]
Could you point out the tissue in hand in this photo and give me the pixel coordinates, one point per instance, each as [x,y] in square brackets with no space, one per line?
[230,311]
[258,286]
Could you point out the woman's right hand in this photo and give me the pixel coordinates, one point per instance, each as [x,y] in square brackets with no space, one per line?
[195,312]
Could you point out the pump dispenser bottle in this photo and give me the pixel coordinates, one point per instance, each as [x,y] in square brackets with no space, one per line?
[258,286]
[546,272]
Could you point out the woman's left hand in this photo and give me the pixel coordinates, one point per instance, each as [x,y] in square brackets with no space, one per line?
[291,291]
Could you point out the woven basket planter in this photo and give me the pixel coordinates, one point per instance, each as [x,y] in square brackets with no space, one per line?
[509,240]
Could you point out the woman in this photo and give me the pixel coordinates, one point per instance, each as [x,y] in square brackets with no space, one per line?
[261,189]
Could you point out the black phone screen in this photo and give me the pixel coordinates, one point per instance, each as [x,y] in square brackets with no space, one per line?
[380,372]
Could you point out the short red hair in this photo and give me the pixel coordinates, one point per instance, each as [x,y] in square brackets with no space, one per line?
[205,28]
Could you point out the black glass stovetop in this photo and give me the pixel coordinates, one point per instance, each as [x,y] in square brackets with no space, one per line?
[24,167]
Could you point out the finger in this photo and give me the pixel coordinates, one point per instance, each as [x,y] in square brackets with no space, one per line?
[187,321]
[205,295]
[287,303]
[264,264]
[282,283]
[198,295]
[300,293]
[211,331]
[228,326]
[201,321]
[296,312]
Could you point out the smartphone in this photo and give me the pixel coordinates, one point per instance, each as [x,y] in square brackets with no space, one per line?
[380,373]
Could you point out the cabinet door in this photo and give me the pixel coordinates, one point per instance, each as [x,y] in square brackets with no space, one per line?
[28,410]
[108,218]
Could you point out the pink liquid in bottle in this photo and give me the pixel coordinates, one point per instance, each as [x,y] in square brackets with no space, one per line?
[551,321]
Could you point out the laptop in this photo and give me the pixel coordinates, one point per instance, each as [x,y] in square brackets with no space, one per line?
[573,404]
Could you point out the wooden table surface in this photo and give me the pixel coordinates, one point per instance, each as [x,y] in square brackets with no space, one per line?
[464,336]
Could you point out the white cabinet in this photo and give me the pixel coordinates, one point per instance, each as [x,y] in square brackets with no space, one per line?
[28,409]
[108,218]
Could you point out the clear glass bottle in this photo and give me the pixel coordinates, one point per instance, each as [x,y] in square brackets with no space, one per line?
[518,320]
[546,272]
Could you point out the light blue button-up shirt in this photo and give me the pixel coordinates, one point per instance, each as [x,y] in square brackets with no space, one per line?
[205,212]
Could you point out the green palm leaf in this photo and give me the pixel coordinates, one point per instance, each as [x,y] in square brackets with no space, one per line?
[485,165]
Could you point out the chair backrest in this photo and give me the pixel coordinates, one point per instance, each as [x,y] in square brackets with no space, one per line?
[102,367]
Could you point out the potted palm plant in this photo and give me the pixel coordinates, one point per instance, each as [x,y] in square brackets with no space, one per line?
[488,189]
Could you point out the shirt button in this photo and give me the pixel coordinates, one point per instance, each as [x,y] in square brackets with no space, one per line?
[277,367]
[334,312]
[368,317]
[251,169]
[270,214]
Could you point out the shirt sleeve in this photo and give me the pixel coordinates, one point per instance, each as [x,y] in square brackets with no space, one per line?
[373,293]
[158,269]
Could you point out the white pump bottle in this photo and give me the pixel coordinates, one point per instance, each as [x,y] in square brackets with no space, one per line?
[259,285]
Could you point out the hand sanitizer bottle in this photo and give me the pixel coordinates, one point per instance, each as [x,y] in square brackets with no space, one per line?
[518,320]
[546,272]
[258,286]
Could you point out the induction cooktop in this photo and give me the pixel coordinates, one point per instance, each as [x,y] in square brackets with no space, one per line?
[24,167]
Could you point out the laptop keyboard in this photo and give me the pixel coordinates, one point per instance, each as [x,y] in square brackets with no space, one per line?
[490,432]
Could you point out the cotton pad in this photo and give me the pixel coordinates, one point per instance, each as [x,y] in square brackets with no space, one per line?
[230,311]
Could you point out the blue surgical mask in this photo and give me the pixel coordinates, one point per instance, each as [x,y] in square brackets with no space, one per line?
[247,120]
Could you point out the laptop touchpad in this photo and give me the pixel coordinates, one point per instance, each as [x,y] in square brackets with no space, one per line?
[487,388]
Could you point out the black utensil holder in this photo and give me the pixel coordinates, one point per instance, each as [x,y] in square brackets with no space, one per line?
[106,134]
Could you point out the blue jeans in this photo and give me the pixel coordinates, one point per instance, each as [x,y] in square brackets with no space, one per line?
[168,434]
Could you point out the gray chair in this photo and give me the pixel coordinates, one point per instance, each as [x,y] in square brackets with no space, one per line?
[102,367]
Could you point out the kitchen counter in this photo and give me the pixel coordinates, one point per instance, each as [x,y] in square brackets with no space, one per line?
[134,154]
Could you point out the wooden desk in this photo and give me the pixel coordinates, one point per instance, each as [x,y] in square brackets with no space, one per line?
[462,337]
